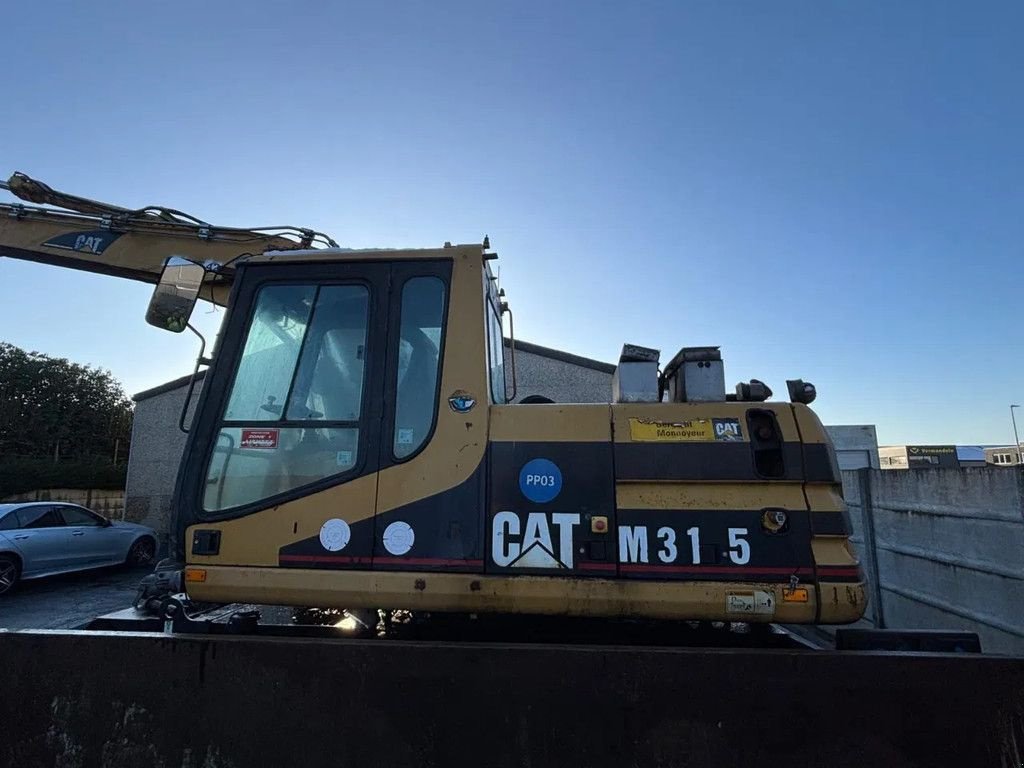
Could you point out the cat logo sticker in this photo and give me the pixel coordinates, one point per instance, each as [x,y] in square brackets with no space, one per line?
[461,401]
[534,539]
[85,242]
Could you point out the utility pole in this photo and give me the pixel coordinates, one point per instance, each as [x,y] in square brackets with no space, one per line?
[1016,440]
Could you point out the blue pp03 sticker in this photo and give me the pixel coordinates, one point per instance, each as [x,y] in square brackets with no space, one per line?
[540,480]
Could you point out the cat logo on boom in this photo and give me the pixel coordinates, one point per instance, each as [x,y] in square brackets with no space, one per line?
[95,242]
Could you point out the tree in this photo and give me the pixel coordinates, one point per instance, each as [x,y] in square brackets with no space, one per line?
[53,408]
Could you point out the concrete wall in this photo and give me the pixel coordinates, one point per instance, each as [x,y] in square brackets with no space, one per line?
[157,446]
[123,700]
[949,549]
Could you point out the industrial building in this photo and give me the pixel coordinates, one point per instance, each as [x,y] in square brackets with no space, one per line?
[947,456]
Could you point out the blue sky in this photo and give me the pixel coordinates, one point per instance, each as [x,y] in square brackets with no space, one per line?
[829,190]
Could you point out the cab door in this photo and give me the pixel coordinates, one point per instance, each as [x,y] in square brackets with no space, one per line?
[293,426]
[436,531]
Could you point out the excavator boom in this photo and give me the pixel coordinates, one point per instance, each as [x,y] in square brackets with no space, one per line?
[76,232]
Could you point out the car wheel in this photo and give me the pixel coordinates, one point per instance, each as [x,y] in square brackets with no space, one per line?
[9,572]
[142,552]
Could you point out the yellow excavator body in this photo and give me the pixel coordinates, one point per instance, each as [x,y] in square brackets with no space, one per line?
[355,443]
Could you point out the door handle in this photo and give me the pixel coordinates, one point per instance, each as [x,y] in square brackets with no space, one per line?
[78,533]
[19,538]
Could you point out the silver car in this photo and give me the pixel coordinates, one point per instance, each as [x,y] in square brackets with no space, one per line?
[43,538]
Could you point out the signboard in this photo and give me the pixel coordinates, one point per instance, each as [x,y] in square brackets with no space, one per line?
[697,430]
[932,457]
[259,438]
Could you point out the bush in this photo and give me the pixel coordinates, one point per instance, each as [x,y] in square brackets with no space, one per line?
[22,474]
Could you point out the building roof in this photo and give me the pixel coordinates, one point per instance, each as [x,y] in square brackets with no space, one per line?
[564,357]
[970,453]
[521,346]
[169,386]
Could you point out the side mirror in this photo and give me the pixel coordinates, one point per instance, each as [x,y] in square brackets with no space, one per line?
[175,294]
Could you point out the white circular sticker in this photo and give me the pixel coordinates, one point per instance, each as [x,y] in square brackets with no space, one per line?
[334,534]
[398,538]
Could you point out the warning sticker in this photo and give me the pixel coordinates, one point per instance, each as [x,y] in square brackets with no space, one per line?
[758,603]
[259,438]
[739,602]
[697,430]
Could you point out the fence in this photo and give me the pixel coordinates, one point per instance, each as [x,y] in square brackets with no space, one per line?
[108,503]
[943,549]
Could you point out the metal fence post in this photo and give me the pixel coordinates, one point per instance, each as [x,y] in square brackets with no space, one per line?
[870,554]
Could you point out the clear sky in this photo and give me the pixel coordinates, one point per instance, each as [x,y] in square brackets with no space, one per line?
[829,190]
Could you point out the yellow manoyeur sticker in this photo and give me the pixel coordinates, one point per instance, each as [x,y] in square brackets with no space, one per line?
[696,430]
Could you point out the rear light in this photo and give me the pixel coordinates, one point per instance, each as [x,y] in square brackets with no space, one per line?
[766,443]
[774,520]
[195,575]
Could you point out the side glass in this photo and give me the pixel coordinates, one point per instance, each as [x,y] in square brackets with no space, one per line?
[253,464]
[422,318]
[329,381]
[76,516]
[497,355]
[271,351]
[292,416]
[39,517]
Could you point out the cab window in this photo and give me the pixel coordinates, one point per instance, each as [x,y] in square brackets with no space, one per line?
[496,354]
[419,361]
[294,407]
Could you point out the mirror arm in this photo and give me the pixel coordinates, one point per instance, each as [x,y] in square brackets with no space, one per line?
[200,360]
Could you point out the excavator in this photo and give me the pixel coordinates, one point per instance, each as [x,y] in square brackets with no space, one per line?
[356,445]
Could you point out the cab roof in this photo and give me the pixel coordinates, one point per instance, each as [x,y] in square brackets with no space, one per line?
[447,251]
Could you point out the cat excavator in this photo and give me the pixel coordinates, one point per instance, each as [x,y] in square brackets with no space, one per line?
[356,443]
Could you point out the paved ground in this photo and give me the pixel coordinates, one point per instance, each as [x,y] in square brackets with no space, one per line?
[69,601]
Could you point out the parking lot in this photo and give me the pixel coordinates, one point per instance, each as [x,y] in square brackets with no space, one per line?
[71,600]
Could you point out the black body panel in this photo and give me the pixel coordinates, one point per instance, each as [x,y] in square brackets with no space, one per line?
[586,490]
[448,536]
[665,547]
[719,461]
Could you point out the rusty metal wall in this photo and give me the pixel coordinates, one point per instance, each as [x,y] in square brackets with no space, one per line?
[130,700]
